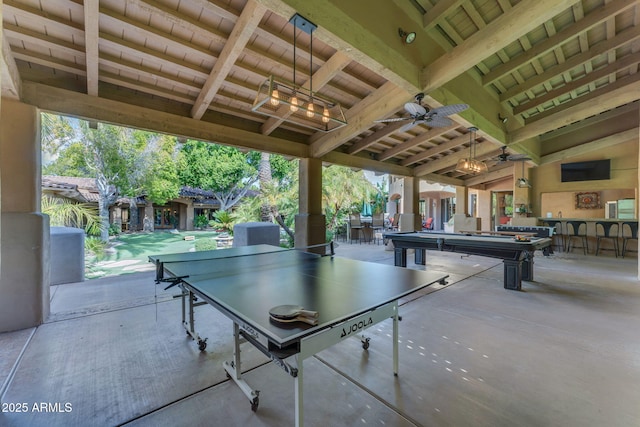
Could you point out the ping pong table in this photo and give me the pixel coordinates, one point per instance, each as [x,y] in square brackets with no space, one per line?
[244,283]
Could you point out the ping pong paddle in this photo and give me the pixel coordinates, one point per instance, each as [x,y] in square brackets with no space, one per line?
[303,319]
[293,313]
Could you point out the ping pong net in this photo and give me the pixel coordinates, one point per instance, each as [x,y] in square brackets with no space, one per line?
[221,265]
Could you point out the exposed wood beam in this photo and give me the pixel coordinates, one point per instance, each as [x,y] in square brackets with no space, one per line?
[320,78]
[522,18]
[624,37]
[592,77]
[375,137]
[441,10]
[442,179]
[119,113]
[489,176]
[601,93]
[92,54]
[628,90]
[413,142]
[243,29]
[9,74]
[599,144]
[369,164]
[481,148]
[594,18]
[380,103]
[445,146]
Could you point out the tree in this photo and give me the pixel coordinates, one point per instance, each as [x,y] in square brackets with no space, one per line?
[343,192]
[56,132]
[105,149]
[150,170]
[225,171]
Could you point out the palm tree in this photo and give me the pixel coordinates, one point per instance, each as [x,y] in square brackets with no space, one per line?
[66,213]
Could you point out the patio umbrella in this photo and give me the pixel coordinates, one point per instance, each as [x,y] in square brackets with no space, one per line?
[366,209]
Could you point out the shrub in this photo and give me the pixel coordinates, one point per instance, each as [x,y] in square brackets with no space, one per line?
[201,221]
[114,229]
[206,245]
[95,246]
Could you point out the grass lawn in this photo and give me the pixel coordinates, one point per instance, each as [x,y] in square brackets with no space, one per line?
[129,253]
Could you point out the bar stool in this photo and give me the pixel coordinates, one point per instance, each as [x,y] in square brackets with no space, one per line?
[632,234]
[558,234]
[605,230]
[574,230]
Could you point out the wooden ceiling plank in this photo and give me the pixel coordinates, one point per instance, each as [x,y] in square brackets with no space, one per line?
[599,144]
[375,137]
[152,56]
[49,61]
[380,103]
[415,141]
[38,16]
[51,43]
[91,40]
[524,17]
[584,98]
[320,78]
[445,146]
[489,176]
[440,11]
[482,148]
[242,31]
[579,28]
[361,162]
[613,68]
[626,36]
[627,91]
[10,76]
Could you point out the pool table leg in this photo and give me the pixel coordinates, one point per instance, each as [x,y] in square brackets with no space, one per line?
[527,266]
[421,256]
[400,257]
[512,274]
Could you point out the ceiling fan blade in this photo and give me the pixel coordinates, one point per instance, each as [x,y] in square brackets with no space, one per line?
[447,110]
[409,125]
[438,122]
[394,119]
[415,109]
[517,157]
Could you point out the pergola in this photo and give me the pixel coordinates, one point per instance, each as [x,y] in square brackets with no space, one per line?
[551,79]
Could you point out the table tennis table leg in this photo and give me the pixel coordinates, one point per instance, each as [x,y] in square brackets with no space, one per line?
[234,370]
[299,413]
[395,343]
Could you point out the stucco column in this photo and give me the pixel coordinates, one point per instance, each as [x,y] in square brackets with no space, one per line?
[24,242]
[410,219]
[462,200]
[310,228]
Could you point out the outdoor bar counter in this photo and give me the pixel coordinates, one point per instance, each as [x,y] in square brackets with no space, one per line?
[591,229]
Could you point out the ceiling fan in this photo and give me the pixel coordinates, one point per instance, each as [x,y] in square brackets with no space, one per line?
[418,114]
[506,157]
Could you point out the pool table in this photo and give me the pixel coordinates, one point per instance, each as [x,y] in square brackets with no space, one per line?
[517,256]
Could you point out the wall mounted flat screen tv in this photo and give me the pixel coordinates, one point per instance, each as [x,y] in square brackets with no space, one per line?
[586,171]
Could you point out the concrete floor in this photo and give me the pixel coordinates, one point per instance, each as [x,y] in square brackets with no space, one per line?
[563,352]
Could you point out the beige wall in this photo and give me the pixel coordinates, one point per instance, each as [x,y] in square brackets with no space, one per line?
[560,195]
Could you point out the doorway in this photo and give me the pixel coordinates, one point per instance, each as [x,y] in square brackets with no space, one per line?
[501,208]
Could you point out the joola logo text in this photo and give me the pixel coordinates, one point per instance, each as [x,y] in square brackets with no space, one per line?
[355,327]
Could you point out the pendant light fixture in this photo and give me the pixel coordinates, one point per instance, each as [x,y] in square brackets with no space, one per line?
[470,164]
[296,104]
